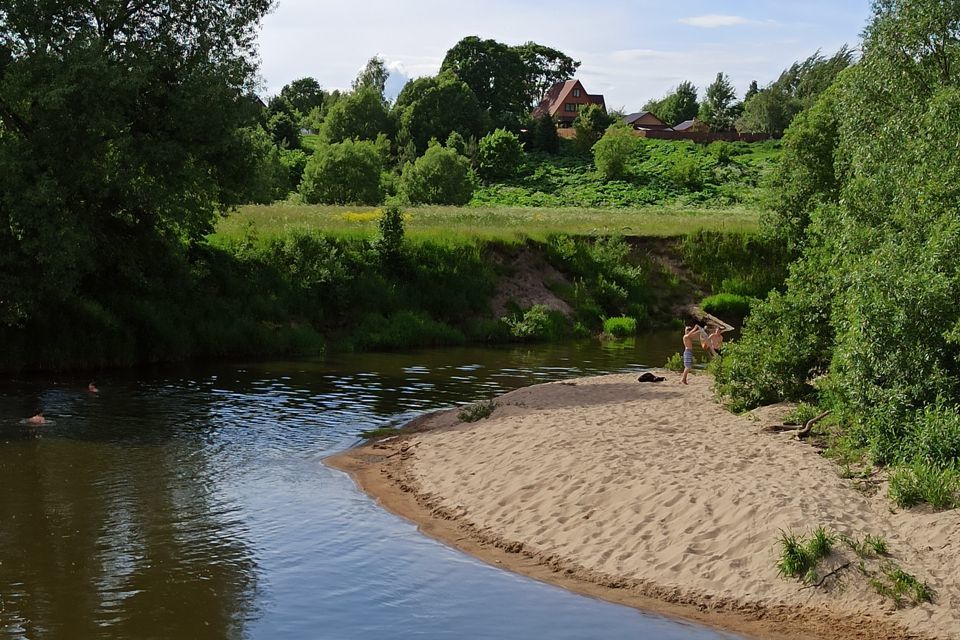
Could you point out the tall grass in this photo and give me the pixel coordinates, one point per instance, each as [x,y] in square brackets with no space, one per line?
[466,225]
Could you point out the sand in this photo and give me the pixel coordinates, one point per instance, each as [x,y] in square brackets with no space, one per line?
[653,495]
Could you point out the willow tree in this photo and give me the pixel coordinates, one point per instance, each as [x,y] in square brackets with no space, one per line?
[118,133]
[871,301]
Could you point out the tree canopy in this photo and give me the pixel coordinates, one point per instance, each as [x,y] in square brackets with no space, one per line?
[495,73]
[373,76]
[119,129]
[543,68]
[720,107]
[870,306]
[434,107]
[772,109]
[677,106]
[303,94]
[360,115]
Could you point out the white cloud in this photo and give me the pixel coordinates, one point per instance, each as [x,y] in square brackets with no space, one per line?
[712,21]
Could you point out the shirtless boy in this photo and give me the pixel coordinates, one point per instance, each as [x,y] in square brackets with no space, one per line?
[688,333]
[716,341]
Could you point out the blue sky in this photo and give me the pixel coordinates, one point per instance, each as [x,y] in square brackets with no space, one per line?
[630,50]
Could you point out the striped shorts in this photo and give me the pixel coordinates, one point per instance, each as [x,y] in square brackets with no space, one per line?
[688,358]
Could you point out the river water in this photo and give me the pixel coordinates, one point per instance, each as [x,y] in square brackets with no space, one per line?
[193,503]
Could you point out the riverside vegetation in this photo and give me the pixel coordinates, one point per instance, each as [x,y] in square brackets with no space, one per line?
[865,199]
[122,242]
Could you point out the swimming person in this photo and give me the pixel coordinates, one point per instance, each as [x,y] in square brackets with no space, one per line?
[37,418]
[92,388]
[688,333]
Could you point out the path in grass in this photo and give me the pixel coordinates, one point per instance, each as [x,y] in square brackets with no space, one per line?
[504,223]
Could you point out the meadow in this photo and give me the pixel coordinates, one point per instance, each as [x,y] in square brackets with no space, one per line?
[465,224]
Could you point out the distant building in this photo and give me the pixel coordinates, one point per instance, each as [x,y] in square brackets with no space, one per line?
[564,101]
[692,126]
[646,121]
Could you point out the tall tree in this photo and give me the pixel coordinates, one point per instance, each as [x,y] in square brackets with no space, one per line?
[797,88]
[303,94]
[677,106]
[544,67]
[590,124]
[873,294]
[719,107]
[373,76]
[495,74]
[434,107]
[361,115]
[119,126]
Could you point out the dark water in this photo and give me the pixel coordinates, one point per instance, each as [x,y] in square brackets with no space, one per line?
[192,503]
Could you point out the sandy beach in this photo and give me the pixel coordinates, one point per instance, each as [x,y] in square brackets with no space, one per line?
[654,496]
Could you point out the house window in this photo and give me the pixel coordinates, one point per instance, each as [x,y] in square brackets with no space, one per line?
[576,93]
[570,107]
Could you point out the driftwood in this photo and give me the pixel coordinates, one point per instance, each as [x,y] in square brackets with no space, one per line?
[808,427]
[824,578]
[802,430]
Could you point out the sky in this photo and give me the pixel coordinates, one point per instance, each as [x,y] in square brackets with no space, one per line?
[630,51]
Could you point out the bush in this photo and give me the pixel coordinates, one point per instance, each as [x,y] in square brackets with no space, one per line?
[389,242]
[440,176]
[543,136]
[746,264]
[801,413]
[727,305]
[539,322]
[499,155]
[721,151]
[674,363]
[343,173]
[402,330]
[476,411]
[620,327]
[284,131]
[294,161]
[613,150]
[923,482]
[686,173]
[935,435]
[268,177]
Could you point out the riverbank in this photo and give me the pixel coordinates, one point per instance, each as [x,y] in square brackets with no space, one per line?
[652,495]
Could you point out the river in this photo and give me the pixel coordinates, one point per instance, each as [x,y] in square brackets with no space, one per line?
[192,502]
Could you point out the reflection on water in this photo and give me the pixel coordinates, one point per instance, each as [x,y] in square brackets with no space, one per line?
[193,504]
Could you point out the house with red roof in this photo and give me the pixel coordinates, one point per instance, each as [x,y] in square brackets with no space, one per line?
[564,101]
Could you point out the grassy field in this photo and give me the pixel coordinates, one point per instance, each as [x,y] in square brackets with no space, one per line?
[463,224]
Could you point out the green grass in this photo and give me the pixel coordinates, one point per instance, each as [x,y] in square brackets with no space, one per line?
[657,172]
[922,482]
[799,556]
[801,413]
[620,326]
[464,224]
[309,142]
[900,586]
[727,305]
[476,411]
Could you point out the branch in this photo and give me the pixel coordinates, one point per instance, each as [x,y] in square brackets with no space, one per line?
[823,579]
[803,433]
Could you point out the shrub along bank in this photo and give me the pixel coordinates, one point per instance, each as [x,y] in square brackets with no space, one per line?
[295,293]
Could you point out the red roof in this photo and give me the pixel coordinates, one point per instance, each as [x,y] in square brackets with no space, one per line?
[559,93]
